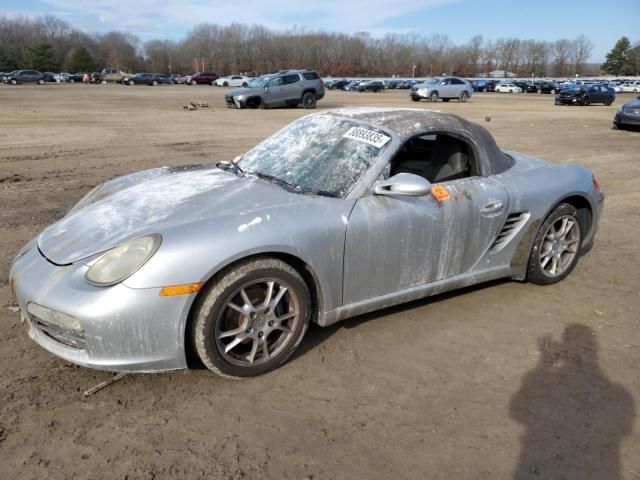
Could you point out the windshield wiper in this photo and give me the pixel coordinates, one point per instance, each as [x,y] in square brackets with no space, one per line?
[230,166]
[292,187]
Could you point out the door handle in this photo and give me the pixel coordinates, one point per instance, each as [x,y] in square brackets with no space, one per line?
[491,208]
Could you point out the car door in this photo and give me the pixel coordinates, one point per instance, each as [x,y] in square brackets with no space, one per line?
[444,89]
[293,88]
[395,243]
[274,92]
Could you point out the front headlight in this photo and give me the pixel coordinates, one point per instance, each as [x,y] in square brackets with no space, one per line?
[123,261]
[423,90]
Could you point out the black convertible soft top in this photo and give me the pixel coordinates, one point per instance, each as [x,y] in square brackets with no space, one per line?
[409,122]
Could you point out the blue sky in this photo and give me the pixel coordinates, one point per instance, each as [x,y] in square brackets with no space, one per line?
[603,22]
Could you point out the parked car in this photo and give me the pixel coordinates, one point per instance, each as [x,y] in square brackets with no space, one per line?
[203,78]
[231,262]
[508,88]
[178,79]
[338,84]
[633,87]
[24,76]
[113,75]
[445,88]
[403,85]
[371,86]
[233,81]
[628,115]
[49,77]
[152,79]
[490,86]
[285,88]
[351,86]
[548,87]
[586,95]
[479,85]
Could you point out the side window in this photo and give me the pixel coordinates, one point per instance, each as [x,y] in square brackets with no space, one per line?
[446,81]
[457,81]
[276,82]
[436,157]
[289,79]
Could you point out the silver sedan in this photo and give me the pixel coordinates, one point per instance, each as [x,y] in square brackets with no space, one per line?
[338,214]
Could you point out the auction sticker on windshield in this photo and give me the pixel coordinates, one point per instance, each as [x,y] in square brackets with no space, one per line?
[367,136]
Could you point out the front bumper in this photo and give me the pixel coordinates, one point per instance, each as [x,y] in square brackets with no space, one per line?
[125,329]
[234,102]
[623,118]
[420,96]
[568,100]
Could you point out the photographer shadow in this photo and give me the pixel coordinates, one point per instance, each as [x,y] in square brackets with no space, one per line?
[575,417]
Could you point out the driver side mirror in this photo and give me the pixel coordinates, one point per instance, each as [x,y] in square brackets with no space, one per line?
[406,184]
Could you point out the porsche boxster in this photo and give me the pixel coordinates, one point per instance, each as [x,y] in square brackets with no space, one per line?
[338,214]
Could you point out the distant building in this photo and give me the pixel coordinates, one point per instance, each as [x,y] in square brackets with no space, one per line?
[500,74]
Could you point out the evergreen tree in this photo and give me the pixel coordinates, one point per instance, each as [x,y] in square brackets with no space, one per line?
[42,57]
[616,60]
[81,60]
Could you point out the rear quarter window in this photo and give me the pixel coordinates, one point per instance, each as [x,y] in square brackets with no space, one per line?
[310,76]
[289,79]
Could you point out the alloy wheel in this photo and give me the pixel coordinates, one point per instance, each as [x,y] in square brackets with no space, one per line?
[257,322]
[560,246]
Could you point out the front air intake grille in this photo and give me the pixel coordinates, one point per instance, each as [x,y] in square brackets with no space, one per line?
[511,227]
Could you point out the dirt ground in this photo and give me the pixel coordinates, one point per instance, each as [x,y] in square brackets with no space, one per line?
[507,380]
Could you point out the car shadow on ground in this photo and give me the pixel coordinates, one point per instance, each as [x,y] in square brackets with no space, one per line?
[574,417]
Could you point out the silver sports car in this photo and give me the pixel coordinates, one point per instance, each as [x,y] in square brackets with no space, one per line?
[337,214]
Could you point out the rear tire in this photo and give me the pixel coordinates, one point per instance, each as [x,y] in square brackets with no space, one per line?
[244,324]
[40,82]
[13,81]
[415,99]
[464,96]
[557,246]
[309,100]
[154,84]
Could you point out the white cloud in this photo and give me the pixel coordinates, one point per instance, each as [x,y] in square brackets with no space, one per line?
[150,17]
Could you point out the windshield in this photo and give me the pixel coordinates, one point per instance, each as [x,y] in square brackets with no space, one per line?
[320,154]
[258,82]
[431,81]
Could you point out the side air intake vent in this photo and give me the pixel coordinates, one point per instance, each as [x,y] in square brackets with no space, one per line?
[511,227]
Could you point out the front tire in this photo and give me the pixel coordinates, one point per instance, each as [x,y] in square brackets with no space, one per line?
[433,97]
[556,248]
[251,319]
[131,83]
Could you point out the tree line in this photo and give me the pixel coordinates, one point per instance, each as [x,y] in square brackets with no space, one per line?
[50,44]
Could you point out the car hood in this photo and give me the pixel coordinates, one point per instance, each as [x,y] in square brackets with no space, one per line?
[152,201]
[239,91]
[632,104]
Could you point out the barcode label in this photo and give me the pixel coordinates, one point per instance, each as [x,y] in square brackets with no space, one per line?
[367,136]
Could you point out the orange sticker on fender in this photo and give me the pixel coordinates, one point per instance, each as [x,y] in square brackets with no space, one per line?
[439,193]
